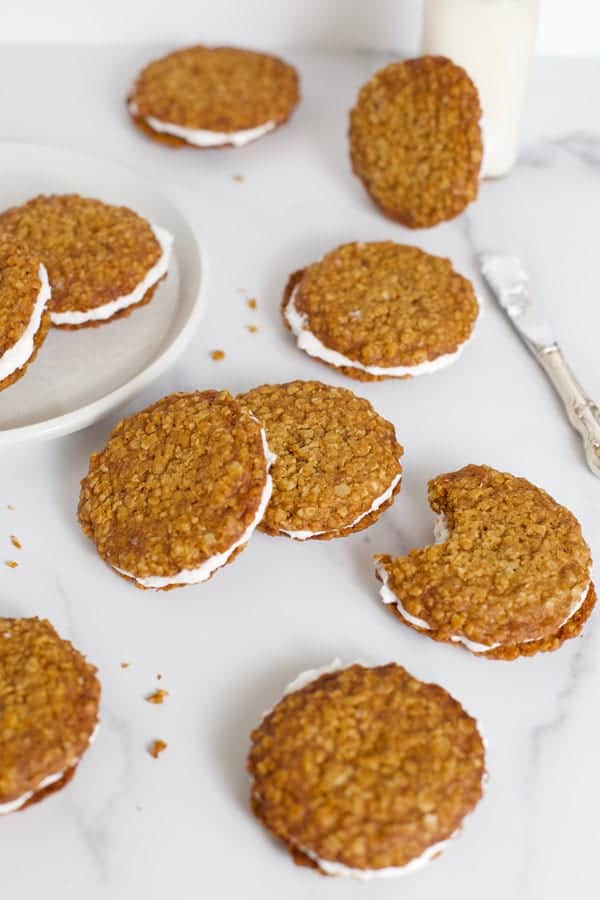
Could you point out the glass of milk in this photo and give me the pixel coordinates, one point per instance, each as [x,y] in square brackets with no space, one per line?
[494,41]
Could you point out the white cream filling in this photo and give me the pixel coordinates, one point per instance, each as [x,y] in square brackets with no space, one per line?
[13,805]
[108,310]
[339,869]
[210,565]
[17,355]
[379,501]
[441,533]
[201,137]
[311,344]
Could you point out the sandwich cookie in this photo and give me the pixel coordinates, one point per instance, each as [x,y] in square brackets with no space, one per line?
[508,576]
[24,319]
[381,310]
[102,260]
[415,140]
[49,696]
[365,772]
[338,461]
[207,97]
[178,489]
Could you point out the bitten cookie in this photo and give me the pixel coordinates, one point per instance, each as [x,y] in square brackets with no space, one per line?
[102,260]
[509,576]
[208,97]
[178,490]
[49,698]
[24,319]
[381,310]
[365,772]
[338,461]
[415,140]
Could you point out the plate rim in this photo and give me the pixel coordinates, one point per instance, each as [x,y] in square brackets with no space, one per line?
[84,416]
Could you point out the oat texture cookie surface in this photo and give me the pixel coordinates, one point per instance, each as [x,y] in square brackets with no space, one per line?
[207,97]
[365,772]
[415,140]
[381,310]
[102,260]
[338,461]
[178,489]
[509,575]
[24,318]
[49,697]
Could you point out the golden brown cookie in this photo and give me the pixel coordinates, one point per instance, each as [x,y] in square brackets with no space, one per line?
[415,140]
[510,574]
[208,97]
[49,698]
[380,310]
[338,461]
[363,771]
[103,261]
[178,489]
[24,319]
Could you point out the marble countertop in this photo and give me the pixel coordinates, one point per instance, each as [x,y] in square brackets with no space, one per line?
[132,827]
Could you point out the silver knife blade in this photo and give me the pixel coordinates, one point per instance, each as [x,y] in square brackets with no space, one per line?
[510,285]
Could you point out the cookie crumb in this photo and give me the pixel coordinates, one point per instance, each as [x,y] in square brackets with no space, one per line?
[11,563]
[16,542]
[159,675]
[252,328]
[125,665]
[157,697]
[217,355]
[156,748]
[238,178]
[252,303]
[11,507]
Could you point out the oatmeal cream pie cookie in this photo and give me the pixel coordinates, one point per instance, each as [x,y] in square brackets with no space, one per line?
[338,461]
[208,97]
[24,319]
[508,576]
[381,310]
[102,260]
[49,696]
[178,489]
[365,772]
[415,140]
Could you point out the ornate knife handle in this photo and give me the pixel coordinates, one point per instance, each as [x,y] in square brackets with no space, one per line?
[583,414]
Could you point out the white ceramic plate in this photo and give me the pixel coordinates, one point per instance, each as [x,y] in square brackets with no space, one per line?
[80,375]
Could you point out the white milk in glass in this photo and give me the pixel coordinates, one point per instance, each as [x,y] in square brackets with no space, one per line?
[493,40]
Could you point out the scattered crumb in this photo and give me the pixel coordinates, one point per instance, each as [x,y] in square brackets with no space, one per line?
[125,665]
[11,563]
[11,507]
[238,178]
[16,542]
[252,328]
[159,675]
[157,697]
[218,355]
[156,748]
[252,303]
[140,808]
[242,291]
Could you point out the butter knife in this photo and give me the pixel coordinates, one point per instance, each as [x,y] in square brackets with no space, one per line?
[510,286]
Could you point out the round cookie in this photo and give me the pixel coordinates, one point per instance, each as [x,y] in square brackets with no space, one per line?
[178,489]
[415,140]
[49,698]
[381,310]
[24,319]
[102,260]
[365,772]
[208,97]
[338,461]
[509,576]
